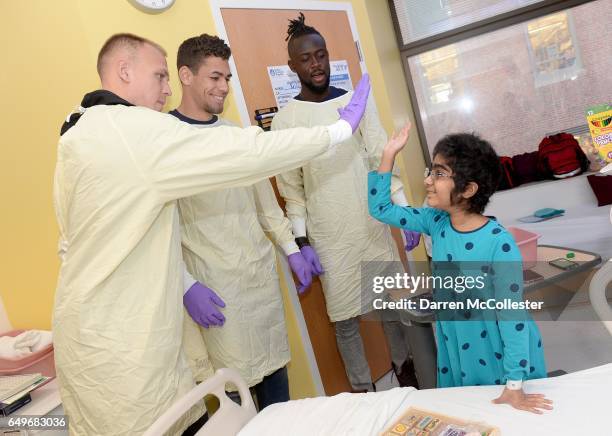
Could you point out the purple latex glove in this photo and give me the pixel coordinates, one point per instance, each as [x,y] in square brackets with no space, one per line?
[353,111]
[201,304]
[313,260]
[412,239]
[301,268]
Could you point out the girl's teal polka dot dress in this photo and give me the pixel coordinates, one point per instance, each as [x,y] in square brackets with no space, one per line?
[478,350]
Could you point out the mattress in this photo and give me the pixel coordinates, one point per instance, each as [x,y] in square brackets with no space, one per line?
[581,407]
[585,228]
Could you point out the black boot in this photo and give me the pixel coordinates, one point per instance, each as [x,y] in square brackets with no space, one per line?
[406,375]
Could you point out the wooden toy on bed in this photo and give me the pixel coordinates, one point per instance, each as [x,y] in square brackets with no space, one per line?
[417,422]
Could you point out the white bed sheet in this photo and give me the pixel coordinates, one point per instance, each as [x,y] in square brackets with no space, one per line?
[581,228]
[581,407]
[584,226]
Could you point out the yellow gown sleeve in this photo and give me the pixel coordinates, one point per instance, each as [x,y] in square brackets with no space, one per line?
[291,186]
[179,160]
[272,219]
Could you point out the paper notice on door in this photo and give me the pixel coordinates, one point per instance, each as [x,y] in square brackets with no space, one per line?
[340,77]
[286,84]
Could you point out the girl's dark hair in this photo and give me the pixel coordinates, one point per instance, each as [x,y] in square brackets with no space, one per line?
[471,159]
[299,28]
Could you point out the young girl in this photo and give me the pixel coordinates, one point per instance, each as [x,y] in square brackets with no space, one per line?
[487,347]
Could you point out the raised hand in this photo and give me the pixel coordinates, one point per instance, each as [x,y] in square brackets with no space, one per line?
[354,110]
[398,140]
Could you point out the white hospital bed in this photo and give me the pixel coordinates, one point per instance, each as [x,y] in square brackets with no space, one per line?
[581,407]
[585,226]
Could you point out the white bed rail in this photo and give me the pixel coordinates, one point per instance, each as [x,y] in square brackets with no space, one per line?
[227,421]
[597,294]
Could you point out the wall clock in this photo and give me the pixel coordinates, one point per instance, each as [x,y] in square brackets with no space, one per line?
[155,6]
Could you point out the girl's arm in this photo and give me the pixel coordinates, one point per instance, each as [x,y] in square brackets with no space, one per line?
[379,192]
[405,217]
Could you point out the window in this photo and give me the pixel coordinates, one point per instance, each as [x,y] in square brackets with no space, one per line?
[553,49]
[438,69]
[515,84]
[419,19]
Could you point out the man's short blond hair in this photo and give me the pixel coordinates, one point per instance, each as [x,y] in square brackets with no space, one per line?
[123,40]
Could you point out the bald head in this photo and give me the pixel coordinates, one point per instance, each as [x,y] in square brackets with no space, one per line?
[135,69]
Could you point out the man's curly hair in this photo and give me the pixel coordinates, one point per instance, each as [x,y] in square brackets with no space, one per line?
[471,159]
[194,51]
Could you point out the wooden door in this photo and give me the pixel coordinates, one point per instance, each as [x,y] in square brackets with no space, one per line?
[257,40]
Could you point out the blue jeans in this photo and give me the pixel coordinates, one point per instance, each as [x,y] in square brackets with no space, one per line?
[274,388]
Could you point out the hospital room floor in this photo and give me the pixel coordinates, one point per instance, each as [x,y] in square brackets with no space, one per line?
[576,340]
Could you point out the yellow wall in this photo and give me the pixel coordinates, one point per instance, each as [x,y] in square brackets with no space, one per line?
[389,84]
[48,63]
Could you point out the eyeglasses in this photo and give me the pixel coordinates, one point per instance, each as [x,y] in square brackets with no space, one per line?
[436,174]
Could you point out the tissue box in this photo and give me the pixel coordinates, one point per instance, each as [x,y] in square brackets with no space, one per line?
[41,361]
[528,245]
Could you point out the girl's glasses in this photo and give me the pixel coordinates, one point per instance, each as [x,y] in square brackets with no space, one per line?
[436,174]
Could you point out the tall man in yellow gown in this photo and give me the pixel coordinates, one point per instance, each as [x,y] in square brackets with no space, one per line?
[326,201]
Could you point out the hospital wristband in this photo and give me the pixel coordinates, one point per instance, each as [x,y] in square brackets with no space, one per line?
[514,385]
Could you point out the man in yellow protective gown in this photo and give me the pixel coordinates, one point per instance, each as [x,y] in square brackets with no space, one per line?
[326,201]
[121,166]
[226,247]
